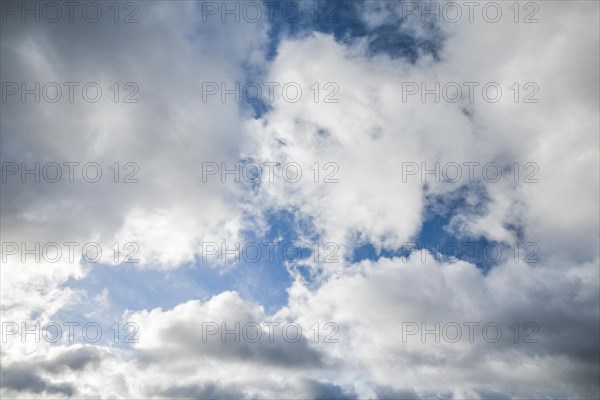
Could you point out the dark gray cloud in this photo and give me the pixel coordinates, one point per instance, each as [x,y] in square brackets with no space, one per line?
[75,359]
[328,390]
[207,391]
[24,379]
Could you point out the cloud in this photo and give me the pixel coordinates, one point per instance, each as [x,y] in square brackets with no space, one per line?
[165,136]
[184,332]
[365,138]
[381,307]
[44,374]
[24,380]
[372,131]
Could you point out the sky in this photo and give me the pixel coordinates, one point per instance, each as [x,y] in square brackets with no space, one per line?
[349,199]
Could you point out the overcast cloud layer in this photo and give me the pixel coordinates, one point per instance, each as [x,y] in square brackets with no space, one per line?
[528,320]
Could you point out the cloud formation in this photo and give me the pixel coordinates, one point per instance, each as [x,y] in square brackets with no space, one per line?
[358,125]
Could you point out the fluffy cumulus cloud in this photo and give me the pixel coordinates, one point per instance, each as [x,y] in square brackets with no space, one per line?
[445,329]
[377,129]
[366,137]
[165,134]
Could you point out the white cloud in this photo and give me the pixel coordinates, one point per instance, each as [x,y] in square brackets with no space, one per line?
[168,134]
[375,302]
[369,133]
